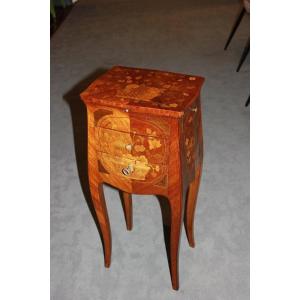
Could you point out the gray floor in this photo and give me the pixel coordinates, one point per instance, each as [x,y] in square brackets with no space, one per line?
[182,36]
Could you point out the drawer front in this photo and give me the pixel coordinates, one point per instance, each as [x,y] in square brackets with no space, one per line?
[132,149]
[132,146]
[132,169]
[125,121]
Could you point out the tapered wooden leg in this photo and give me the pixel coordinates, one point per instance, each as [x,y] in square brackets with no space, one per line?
[176,210]
[102,216]
[191,207]
[127,207]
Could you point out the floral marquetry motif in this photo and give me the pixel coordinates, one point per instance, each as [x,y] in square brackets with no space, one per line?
[131,145]
[130,168]
[139,91]
[145,137]
[166,93]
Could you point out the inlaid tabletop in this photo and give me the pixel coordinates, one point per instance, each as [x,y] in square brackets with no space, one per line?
[161,92]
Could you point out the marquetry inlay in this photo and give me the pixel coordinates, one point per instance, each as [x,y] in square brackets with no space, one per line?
[145,137]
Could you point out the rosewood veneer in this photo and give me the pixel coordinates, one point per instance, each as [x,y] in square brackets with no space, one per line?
[145,137]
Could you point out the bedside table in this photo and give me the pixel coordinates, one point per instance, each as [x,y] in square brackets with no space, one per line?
[145,137]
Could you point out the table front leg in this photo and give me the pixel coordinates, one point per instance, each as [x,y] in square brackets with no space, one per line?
[98,200]
[176,213]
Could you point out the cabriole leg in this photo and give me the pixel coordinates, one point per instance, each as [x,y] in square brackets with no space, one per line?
[102,217]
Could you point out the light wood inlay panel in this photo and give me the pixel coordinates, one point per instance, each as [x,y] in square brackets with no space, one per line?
[137,169]
[132,146]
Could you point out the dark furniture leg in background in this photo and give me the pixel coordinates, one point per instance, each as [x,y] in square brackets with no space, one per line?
[235,26]
[58,15]
[244,54]
[247,102]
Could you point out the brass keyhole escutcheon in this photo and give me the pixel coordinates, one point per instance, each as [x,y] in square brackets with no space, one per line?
[127,171]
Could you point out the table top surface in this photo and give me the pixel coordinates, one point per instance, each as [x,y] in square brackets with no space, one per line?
[143,89]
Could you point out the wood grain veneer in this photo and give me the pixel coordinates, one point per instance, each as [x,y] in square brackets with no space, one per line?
[145,137]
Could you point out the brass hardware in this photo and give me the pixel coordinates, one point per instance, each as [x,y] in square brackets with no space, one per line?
[127,171]
[194,109]
[128,147]
[126,110]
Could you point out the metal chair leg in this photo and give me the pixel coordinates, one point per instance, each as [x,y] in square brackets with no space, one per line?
[247,102]
[235,26]
[244,54]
